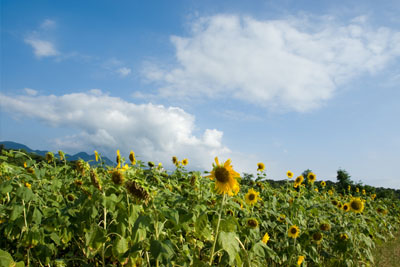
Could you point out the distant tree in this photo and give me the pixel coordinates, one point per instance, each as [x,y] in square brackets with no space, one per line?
[305,174]
[343,178]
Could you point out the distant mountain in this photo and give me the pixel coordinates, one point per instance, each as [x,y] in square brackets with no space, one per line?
[81,155]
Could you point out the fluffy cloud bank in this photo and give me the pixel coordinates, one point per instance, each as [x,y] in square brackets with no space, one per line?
[287,64]
[106,123]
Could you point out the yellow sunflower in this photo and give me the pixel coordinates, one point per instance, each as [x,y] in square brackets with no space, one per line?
[118,159]
[265,238]
[260,166]
[300,260]
[185,162]
[252,223]
[225,178]
[311,177]
[251,197]
[330,192]
[346,207]
[175,160]
[28,185]
[132,157]
[357,190]
[344,236]
[363,192]
[289,174]
[282,218]
[293,231]
[317,237]
[298,181]
[356,205]
[373,196]
[349,187]
[96,155]
[323,183]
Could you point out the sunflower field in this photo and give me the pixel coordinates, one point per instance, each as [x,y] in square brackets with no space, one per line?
[54,213]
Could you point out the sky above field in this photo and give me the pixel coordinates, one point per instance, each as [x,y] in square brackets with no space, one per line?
[293,84]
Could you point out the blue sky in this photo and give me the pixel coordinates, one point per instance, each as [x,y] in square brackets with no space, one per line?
[293,84]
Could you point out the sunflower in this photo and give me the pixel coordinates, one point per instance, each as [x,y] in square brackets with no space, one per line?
[316,190]
[265,238]
[298,181]
[49,157]
[96,155]
[132,157]
[317,237]
[225,178]
[70,197]
[339,205]
[28,185]
[251,197]
[95,179]
[349,187]
[293,231]
[346,207]
[118,159]
[325,227]
[344,236]
[311,177]
[185,162]
[323,183]
[357,190]
[282,218]
[330,192]
[289,174]
[252,223]
[363,192]
[117,177]
[136,190]
[334,202]
[61,154]
[356,205]
[300,260]
[175,160]
[373,196]
[260,166]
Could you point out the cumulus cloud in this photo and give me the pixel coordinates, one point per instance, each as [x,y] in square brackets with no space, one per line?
[289,64]
[124,71]
[42,48]
[106,123]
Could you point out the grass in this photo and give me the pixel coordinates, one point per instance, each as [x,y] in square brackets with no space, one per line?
[388,254]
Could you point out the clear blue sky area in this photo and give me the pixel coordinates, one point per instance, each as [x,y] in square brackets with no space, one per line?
[293,84]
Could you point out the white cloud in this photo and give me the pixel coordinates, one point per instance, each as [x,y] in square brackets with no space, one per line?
[48,24]
[30,91]
[124,71]
[106,123]
[42,48]
[287,64]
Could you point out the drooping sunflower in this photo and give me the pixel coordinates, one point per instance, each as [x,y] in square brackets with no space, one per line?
[356,205]
[132,157]
[298,181]
[95,179]
[117,177]
[175,161]
[323,183]
[118,159]
[251,197]
[363,192]
[311,177]
[225,178]
[61,154]
[265,238]
[49,157]
[260,166]
[317,237]
[96,155]
[357,190]
[185,162]
[293,231]
[252,223]
[325,227]
[346,207]
[136,190]
[289,174]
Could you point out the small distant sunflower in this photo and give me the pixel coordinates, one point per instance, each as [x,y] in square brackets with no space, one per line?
[356,205]
[132,157]
[339,205]
[118,159]
[316,190]
[96,155]
[344,236]
[346,207]
[379,210]
[260,166]
[282,218]
[357,190]
[300,260]
[334,202]
[28,185]
[117,177]
[61,154]
[265,238]
[289,174]
[311,177]
[330,192]
[298,181]
[293,231]
[251,197]
[363,192]
[349,187]
[70,197]
[373,196]
[252,223]
[185,162]
[323,183]
[317,237]
[175,160]
[78,182]
[325,227]
[225,178]
[49,157]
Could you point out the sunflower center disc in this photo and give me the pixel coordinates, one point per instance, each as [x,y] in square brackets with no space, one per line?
[252,197]
[293,231]
[222,175]
[355,205]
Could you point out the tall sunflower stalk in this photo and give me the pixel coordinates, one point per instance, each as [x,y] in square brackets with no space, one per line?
[217,229]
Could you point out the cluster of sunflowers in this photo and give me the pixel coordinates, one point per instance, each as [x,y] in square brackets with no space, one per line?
[136,214]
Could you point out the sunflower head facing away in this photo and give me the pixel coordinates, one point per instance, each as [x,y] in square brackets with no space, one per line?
[356,205]
[49,157]
[317,237]
[251,197]
[311,177]
[260,166]
[289,174]
[225,178]
[117,177]
[325,227]
[293,231]
[132,157]
[175,161]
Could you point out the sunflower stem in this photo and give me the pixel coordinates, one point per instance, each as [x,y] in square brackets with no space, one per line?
[216,230]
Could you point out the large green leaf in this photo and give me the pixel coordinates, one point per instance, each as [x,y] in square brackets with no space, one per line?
[228,242]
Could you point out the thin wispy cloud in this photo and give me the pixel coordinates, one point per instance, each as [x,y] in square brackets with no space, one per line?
[124,71]
[288,64]
[42,48]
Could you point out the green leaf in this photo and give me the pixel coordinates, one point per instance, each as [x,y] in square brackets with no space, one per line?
[37,216]
[55,238]
[6,187]
[161,250]
[25,194]
[16,212]
[120,246]
[5,258]
[229,243]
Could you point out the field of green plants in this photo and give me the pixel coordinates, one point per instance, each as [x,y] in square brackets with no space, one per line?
[54,213]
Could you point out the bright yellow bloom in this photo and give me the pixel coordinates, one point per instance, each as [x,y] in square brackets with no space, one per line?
[346,207]
[185,162]
[282,218]
[118,159]
[225,177]
[260,166]
[132,157]
[298,180]
[311,177]
[373,196]
[323,183]
[175,160]
[28,185]
[25,165]
[96,155]
[356,205]
[289,174]
[300,260]
[330,192]
[344,236]
[349,187]
[251,197]
[293,231]
[316,189]
[357,189]
[61,154]
[265,238]
[363,192]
